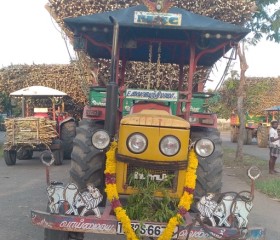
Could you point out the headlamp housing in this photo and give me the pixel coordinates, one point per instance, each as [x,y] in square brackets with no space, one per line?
[204,147]
[100,139]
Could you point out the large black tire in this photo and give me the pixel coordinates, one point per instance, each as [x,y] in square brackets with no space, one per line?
[88,163]
[209,172]
[233,134]
[262,136]
[245,137]
[10,157]
[249,136]
[24,153]
[58,153]
[54,234]
[68,133]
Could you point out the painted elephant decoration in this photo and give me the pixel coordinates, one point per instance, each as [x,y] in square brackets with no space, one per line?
[71,200]
[230,207]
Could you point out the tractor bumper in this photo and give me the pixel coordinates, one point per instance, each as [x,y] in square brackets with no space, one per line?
[108,224]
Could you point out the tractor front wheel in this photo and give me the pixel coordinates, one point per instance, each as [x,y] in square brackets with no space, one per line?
[233,134]
[209,172]
[54,234]
[10,157]
[88,163]
[50,234]
[68,132]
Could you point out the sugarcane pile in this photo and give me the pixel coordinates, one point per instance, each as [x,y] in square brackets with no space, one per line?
[29,131]
[262,93]
[75,78]
[66,78]
[233,11]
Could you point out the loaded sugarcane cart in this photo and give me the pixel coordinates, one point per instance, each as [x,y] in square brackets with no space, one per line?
[44,125]
[144,162]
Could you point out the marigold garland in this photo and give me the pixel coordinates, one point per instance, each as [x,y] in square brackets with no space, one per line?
[183,206]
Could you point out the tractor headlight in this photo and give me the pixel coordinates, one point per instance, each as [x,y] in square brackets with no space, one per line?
[100,139]
[169,145]
[137,143]
[204,147]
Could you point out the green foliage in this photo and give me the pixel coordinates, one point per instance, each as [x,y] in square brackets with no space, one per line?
[5,104]
[226,99]
[266,21]
[227,96]
[267,183]
[253,93]
[271,187]
[143,206]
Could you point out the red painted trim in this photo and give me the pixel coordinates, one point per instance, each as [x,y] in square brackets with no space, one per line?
[100,110]
[99,44]
[212,50]
[192,68]
[204,116]
[107,224]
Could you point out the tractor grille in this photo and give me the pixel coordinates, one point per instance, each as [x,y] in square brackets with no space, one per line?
[154,174]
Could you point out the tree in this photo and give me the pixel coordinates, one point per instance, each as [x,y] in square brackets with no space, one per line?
[266,21]
[240,101]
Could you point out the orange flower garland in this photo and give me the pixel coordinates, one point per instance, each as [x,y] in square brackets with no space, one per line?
[184,204]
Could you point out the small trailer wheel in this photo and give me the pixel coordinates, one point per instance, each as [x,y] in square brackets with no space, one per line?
[10,157]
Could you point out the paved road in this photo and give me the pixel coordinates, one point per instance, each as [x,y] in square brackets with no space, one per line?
[23,188]
[254,150]
[266,210]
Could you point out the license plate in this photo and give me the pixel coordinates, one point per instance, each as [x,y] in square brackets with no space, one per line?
[146,229]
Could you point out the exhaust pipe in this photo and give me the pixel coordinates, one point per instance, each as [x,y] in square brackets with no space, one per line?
[112,87]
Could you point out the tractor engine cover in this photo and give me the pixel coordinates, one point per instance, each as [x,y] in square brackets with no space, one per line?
[156,141]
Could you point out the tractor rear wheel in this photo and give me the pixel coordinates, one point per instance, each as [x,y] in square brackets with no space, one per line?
[249,136]
[262,136]
[10,157]
[88,163]
[209,172]
[233,135]
[68,132]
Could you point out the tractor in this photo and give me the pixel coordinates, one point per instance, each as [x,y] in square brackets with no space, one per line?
[252,128]
[152,128]
[257,126]
[43,125]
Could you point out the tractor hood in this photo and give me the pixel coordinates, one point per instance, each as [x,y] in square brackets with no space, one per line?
[96,32]
[155,118]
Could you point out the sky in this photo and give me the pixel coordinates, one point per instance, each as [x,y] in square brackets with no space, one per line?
[29,36]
